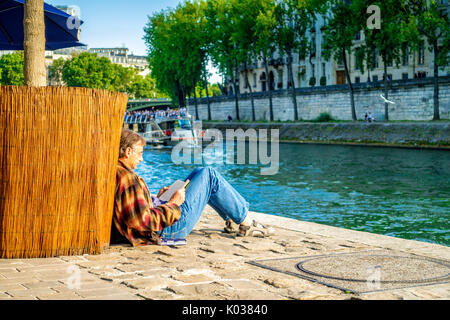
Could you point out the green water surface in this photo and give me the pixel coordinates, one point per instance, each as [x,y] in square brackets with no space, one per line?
[391,191]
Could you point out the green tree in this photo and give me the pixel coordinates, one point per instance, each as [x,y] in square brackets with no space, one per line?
[215,90]
[123,78]
[176,49]
[90,71]
[200,90]
[205,42]
[244,16]
[223,52]
[265,38]
[144,87]
[387,39]
[158,46]
[55,71]
[294,19]
[426,20]
[11,66]
[339,33]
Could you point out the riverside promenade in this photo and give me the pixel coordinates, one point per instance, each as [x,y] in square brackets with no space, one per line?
[214,265]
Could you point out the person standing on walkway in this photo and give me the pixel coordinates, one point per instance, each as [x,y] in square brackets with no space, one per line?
[144,219]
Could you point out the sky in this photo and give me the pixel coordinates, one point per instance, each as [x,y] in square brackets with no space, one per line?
[118,23]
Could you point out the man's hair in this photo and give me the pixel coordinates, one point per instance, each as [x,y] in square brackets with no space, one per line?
[128,139]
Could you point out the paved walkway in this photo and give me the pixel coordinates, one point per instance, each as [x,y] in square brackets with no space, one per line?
[213,265]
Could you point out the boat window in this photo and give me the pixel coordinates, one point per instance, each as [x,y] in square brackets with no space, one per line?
[184,124]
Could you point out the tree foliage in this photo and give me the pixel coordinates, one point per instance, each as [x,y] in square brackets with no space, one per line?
[88,70]
[234,34]
[339,33]
[426,20]
[177,48]
[11,69]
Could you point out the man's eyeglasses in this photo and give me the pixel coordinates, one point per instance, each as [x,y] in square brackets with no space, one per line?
[141,153]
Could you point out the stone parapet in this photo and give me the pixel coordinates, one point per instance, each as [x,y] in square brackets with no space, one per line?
[413,101]
[399,134]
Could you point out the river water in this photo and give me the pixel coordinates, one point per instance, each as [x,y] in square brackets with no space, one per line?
[403,193]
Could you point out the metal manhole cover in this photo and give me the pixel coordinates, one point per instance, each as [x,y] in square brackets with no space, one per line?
[391,269]
[364,271]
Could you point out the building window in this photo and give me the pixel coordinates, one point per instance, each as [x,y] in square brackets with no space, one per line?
[301,56]
[340,62]
[254,80]
[389,63]
[405,76]
[358,35]
[357,80]
[313,47]
[323,70]
[421,52]
[356,59]
[375,58]
[280,79]
[374,78]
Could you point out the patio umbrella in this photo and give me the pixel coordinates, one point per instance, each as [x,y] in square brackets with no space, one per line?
[58,32]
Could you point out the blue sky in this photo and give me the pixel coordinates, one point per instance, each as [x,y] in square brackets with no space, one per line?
[118,23]
[115,23]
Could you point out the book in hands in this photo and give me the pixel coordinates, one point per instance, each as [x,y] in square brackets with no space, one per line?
[173,242]
[177,185]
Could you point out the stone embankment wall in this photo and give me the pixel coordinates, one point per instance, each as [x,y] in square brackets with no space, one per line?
[413,101]
[408,134]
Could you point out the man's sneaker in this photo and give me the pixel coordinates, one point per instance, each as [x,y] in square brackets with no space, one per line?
[255,230]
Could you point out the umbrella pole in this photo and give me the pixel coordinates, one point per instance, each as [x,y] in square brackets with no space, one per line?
[34,70]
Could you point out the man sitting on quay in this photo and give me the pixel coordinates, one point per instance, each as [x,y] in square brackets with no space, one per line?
[144,219]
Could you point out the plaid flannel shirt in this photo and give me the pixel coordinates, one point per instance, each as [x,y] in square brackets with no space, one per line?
[134,215]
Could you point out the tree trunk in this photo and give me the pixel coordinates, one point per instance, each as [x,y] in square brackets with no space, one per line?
[291,79]
[436,83]
[205,81]
[386,106]
[268,87]
[195,101]
[179,93]
[183,92]
[34,70]
[236,92]
[350,85]
[251,92]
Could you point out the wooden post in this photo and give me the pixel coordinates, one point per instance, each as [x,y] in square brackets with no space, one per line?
[34,70]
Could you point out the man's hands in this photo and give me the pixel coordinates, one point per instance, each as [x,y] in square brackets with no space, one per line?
[178,197]
[164,189]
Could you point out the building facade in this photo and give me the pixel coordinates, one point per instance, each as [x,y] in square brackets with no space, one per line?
[315,70]
[121,56]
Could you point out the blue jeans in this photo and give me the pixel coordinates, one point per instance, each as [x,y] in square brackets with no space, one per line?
[207,187]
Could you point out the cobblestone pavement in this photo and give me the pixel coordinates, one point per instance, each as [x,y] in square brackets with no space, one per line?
[213,265]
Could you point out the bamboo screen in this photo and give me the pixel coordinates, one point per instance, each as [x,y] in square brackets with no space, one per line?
[58,158]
